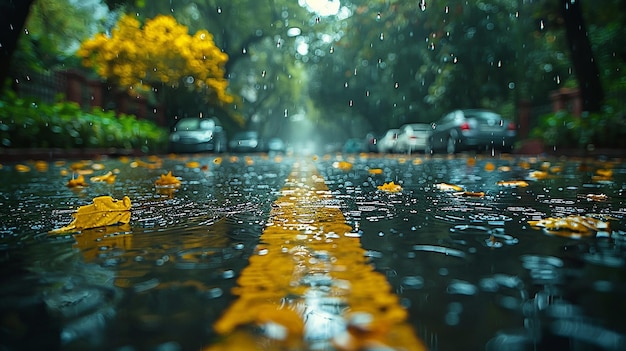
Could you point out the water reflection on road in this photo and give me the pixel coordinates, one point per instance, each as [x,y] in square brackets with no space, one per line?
[466,265]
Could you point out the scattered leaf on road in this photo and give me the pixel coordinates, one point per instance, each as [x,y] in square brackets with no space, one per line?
[571,226]
[512,183]
[448,187]
[103,212]
[109,177]
[77,182]
[167,180]
[390,187]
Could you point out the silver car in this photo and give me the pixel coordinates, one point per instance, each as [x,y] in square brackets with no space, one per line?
[413,137]
[197,135]
[388,141]
[473,129]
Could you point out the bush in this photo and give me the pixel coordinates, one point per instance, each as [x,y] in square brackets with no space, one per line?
[563,129]
[28,123]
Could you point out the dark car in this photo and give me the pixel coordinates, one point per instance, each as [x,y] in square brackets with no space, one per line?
[245,141]
[472,129]
[198,135]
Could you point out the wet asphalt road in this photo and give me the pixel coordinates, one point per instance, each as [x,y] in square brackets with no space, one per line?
[467,268]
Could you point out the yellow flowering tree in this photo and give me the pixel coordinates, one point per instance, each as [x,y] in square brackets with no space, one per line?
[162,52]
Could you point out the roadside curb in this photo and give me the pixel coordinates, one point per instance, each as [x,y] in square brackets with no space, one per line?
[14,155]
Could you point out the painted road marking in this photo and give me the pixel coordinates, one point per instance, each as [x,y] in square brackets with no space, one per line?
[309,285]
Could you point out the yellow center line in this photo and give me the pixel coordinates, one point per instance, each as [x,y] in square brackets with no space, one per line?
[309,284]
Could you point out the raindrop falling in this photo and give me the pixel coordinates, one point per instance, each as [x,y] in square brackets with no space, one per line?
[263,73]
[382,36]
[219,9]
[396,85]
[423,5]
[244,51]
[378,16]
[332,49]
[350,103]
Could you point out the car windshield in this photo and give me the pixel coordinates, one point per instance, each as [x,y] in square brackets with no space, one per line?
[421,127]
[484,116]
[195,124]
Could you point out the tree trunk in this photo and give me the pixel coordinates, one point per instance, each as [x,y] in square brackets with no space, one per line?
[13,15]
[585,66]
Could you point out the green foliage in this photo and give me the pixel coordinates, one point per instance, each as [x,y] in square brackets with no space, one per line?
[28,123]
[563,129]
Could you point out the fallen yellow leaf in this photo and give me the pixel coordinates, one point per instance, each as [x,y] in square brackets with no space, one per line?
[512,183]
[343,165]
[109,177]
[571,226]
[538,174]
[103,212]
[448,187]
[375,171]
[41,166]
[470,194]
[22,168]
[167,180]
[77,182]
[390,187]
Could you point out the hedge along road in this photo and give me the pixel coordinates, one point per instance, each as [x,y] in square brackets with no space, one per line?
[309,283]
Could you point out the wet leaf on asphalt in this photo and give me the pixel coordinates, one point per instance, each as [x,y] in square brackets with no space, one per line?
[571,226]
[470,193]
[22,168]
[512,183]
[109,178]
[155,164]
[343,165]
[167,180]
[77,182]
[390,187]
[103,212]
[538,175]
[597,197]
[448,187]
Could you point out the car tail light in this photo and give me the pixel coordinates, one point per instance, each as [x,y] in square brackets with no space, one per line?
[511,126]
[465,126]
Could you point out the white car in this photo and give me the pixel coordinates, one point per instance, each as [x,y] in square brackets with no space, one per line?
[414,137]
[388,141]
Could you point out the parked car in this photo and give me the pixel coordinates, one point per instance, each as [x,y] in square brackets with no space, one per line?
[245,141]
[473,129]
[388,141]
[193,134]
[413,137]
